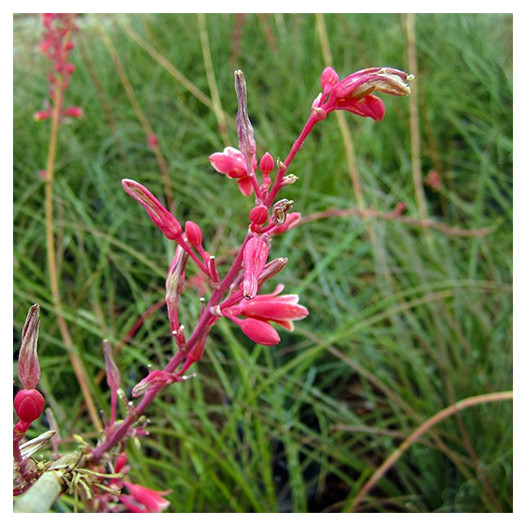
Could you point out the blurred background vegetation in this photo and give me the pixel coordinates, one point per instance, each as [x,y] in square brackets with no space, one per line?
[404,319]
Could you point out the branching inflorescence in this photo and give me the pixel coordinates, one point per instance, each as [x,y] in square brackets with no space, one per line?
[234,296]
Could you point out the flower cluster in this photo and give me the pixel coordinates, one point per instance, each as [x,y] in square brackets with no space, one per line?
[56,46]
[235,294]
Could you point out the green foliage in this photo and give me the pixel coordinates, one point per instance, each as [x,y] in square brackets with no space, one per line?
[404,320]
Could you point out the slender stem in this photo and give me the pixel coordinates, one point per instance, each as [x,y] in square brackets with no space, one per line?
[117,434]
[51,250]
[414,116]
[298,143]
[421,430]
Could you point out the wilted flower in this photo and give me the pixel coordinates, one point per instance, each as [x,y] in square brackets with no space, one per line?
[354,93]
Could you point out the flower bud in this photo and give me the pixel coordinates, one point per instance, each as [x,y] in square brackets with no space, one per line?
[271,269]
[165,221]
[29,404]
[41,115]
[255,255]
[266,164]
[193,234]
[259,214]
[74,111]
[28,366]
[258,331]
[245,132]
[113,377]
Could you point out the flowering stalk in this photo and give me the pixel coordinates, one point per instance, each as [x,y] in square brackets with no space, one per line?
[236,296]
[56,46]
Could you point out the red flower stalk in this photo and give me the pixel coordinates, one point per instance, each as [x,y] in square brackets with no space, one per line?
[56,46]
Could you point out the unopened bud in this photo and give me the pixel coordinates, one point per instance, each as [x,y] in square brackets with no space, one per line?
[28,366]
[245,132]
[193,234]
[259,214]
[113,377]
[255,255]
[271,269]
[29,404]
[166,222]
[74,111]
[266,164]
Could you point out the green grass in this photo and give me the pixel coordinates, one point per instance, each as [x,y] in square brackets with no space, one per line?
[404,321]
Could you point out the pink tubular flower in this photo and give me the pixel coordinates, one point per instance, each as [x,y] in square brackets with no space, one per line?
[144,500]
[231,162]
[283,310]
[255,255]
[353,93]
[257,330]
[166,222]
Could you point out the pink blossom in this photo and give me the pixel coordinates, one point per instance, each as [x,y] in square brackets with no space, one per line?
[255,255]
[282,310]
[231,162]
[144,500]
[74,111]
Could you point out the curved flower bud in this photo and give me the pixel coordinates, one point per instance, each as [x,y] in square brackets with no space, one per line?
[164,220]
[353,93]
[258,331]
[193,233]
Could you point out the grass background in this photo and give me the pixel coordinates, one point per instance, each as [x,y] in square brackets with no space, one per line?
[404,320]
